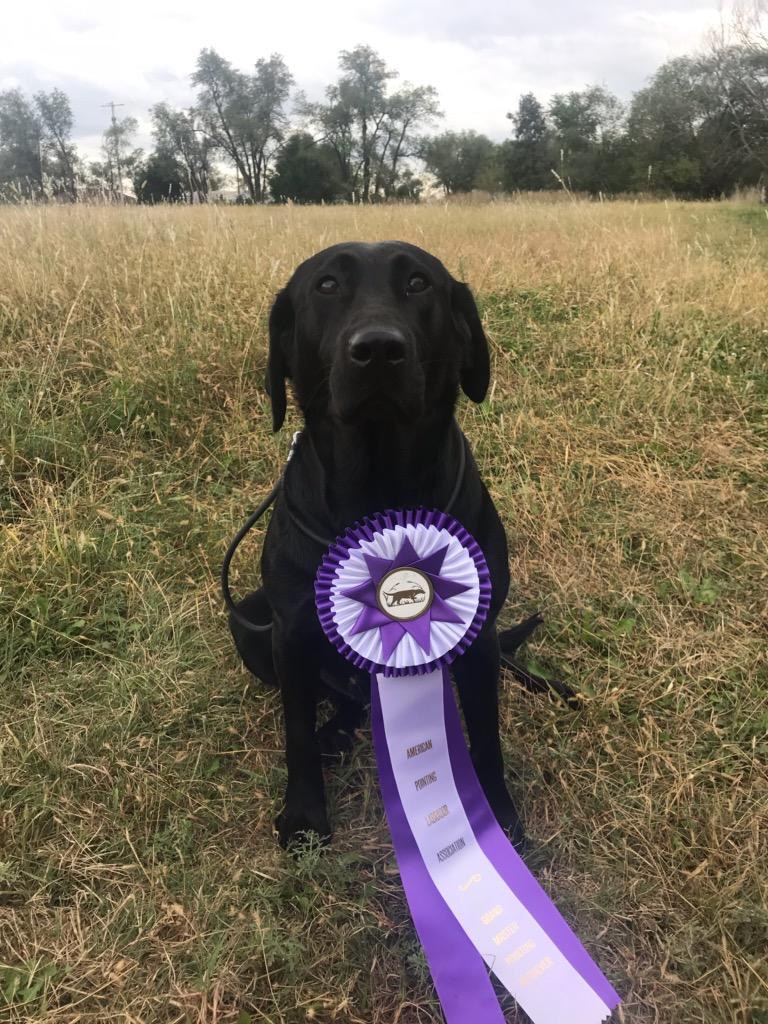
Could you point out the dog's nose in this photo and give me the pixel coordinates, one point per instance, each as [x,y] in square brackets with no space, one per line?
[377,345]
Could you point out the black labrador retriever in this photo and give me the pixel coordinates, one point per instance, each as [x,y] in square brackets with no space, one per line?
[377,340]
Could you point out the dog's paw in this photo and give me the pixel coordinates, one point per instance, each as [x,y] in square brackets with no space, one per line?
[297,826]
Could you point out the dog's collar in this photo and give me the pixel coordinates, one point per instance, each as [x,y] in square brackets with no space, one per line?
[327,541]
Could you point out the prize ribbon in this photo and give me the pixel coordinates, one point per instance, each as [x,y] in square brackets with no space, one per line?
[402,594]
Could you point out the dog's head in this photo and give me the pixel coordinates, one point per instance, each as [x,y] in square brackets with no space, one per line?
[374,332]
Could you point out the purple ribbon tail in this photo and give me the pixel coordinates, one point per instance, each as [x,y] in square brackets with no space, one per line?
[458,971]
[508,862]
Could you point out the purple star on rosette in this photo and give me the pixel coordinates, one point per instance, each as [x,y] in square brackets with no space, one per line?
[392,631]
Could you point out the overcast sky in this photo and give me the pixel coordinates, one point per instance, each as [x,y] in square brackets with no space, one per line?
[481,55]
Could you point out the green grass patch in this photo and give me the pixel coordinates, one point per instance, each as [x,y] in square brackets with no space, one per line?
[141,769]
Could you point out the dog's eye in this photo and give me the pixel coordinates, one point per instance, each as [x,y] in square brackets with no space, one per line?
[416,283]
[328,286]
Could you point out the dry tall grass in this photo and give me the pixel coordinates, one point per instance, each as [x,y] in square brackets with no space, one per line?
[625,444]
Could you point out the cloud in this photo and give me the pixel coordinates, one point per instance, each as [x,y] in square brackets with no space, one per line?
[490,24]
[165,76]
[86,98]
[481,56]
[77,23]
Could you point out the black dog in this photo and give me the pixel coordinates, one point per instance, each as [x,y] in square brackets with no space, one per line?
[377,341]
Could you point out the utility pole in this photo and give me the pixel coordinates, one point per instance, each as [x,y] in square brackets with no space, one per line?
[40,165]
[116,140]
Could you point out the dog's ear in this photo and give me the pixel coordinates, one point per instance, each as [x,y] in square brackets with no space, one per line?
[279,363]
[476,361]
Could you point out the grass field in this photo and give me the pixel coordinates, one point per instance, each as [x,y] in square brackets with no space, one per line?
[624,442]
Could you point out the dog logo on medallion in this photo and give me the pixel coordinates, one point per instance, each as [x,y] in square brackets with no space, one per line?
[404,594]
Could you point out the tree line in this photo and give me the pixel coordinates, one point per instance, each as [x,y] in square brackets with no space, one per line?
[698,129]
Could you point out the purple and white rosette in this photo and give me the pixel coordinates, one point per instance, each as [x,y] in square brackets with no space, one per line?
[402,594]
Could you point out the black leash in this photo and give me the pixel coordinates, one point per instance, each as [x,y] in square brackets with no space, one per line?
[509,640]
[247,526]
[326,542]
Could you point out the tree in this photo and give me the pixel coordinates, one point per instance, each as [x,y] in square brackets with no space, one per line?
[526,159]
[735,71]
[272,82]
[372,134]
[662,130]
[737,63]
[178,138]
[54,115]
[21,155]
[243,115]
[37,157]
[362,90]
[459,160]
[409,187]
[306,172]
[161,178]
[586,132]
[352,120]
[410,108]
[334,123]
[120,159]
[700,127]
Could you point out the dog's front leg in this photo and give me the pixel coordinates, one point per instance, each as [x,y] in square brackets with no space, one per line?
[304,810]
[477,677]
